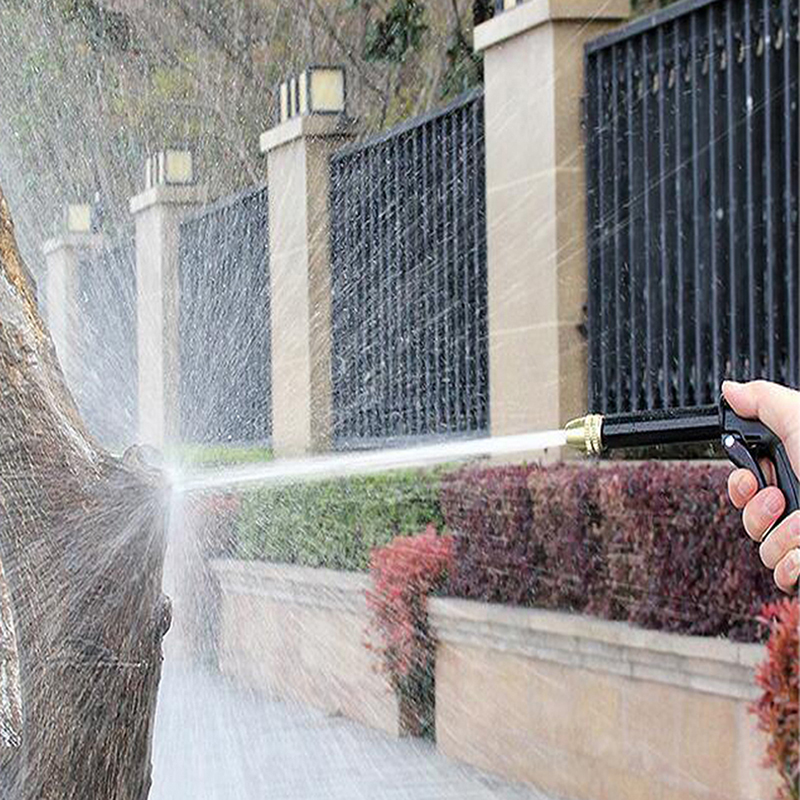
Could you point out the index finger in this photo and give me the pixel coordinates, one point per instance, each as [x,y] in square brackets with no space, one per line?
[776,406]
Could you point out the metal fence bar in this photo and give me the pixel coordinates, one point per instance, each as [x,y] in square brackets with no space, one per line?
[415,362]
[106,297]
[224,321]
[692,197]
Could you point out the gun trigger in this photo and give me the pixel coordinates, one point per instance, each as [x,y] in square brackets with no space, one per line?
[740,456]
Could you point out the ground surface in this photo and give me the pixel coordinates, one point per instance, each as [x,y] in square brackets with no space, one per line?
[215,741]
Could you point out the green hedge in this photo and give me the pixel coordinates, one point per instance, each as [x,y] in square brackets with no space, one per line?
[335,523]
[219,455]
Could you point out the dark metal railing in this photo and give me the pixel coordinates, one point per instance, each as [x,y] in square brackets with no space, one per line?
[692,165]
[408,264]
[225,373]
[106,348]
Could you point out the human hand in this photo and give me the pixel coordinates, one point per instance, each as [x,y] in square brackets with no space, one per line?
[779,409]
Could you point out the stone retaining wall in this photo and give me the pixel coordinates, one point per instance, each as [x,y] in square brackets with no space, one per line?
[299,634]
[597,710]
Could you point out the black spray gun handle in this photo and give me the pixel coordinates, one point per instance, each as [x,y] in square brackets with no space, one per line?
[746,441]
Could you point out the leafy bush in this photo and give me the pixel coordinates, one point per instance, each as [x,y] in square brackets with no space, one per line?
[335,523]
[777,708]
[681,560]
[655,544]
[495,558]
[212,518]
[404,574]
[566,522]
[215,455]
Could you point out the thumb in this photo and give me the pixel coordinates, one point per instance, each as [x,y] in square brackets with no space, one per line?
[776,406]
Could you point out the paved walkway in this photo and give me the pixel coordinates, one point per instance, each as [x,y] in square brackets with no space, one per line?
[216,741]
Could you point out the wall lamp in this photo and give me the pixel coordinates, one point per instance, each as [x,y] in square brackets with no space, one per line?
[170,167]
[316,90]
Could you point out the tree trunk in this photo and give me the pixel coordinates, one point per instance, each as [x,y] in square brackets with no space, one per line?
[81,550]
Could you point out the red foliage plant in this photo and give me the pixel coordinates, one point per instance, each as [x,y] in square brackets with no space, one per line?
[655,544]
[404,574]
[212,520]
[777,708]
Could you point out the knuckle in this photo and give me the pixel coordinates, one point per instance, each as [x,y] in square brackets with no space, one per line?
[787,571]
[793,525]
[781,541]
[765,552]
[754,522]
[761,386]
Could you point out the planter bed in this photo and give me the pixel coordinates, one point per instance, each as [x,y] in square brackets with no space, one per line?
[597,710]
[298,633]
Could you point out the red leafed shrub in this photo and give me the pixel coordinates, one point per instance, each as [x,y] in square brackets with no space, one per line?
[496,557]
[566,524]
[777,708]
[212,520]
[678,556]
[657,544]
[404,573]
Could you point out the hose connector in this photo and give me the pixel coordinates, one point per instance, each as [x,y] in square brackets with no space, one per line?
[586,434]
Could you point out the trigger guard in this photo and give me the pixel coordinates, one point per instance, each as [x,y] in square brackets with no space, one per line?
[741,457]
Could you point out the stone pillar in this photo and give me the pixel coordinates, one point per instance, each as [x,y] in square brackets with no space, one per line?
[158,212]
[62,257]
[536,208]
[298,152]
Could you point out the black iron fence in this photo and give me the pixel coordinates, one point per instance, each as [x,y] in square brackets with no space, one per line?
[225,394]
[692,127]
[408,263]
[106,342]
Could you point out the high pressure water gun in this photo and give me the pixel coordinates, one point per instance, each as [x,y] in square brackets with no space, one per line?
[745,441]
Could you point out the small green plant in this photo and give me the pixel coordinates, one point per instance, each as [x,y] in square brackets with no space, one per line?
[335,523]
[216,455]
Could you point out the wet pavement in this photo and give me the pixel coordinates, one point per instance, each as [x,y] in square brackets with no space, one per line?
[217,741]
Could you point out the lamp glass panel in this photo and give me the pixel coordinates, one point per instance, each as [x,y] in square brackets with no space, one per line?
[302,93]
[327,90]
[179,166]
[292,97]
[284,101]
[79,218]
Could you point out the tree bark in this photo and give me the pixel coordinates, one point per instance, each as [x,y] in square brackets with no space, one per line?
[81,551]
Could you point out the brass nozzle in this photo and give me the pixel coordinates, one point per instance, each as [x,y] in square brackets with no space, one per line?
[586,434]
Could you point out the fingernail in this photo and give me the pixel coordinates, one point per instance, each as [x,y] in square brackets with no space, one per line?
[746,483]
[774,502]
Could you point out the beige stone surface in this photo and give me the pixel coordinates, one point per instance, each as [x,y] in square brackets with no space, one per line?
[536,208]
[508,701]
[298,154]
[158,213]
[62,257]
[530,15]
[300,634]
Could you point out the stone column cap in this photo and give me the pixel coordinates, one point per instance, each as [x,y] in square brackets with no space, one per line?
[311,125]
[165,194]
[534,13]
[73,241]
